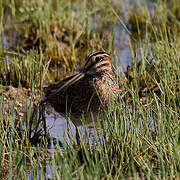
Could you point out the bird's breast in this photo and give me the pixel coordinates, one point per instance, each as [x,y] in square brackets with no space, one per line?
[106,87]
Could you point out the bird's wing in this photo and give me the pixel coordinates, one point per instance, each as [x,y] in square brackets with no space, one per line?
[54,89]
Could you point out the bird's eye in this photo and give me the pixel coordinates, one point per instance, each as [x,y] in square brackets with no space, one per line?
[98,59]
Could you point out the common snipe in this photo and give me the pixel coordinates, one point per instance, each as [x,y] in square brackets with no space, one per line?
[85,92]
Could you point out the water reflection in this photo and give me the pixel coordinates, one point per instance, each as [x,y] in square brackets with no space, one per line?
[57,126]
[122,49]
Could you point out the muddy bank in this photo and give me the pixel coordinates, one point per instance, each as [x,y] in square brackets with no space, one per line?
[16,101]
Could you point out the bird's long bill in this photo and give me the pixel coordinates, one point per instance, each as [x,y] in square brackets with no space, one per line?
[77,77]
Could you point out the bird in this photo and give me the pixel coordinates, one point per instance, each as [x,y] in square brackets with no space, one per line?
[86,93]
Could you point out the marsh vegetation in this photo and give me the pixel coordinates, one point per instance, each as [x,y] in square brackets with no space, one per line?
[44,41]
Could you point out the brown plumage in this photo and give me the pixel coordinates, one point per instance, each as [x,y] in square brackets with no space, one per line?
[86,92]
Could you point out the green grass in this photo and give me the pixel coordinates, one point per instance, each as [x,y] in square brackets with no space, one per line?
[141,137]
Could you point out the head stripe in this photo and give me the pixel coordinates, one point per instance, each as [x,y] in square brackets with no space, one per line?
[94,54]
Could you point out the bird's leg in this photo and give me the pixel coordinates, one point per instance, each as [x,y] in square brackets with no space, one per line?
[44,120]
[31,119]
[77,135]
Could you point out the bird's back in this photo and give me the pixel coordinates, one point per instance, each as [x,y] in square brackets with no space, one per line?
[77,98]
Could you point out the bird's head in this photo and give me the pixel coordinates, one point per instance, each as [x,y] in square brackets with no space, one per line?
[98,62]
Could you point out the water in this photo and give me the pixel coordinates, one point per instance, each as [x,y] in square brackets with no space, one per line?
[57,127]
[122,49]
